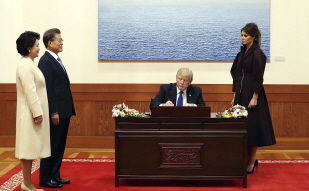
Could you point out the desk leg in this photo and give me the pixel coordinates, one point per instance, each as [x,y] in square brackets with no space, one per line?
[116,160]
[245,183]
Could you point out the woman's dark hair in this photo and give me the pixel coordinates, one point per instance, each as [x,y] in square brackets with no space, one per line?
[49,35]
[26,40]
[253,30]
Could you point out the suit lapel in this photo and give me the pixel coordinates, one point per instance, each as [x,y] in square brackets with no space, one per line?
[189,95]
[58,66]
[173,94]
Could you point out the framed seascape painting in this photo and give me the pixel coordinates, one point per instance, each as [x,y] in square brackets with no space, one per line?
[179,30]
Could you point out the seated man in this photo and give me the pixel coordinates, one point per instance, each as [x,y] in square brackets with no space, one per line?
[181,93]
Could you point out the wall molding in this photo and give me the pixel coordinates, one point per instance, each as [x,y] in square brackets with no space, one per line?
[93,127]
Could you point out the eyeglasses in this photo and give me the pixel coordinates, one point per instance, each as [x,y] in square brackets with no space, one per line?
[59,40]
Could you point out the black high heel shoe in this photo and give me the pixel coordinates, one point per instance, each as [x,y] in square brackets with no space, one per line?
[256,164]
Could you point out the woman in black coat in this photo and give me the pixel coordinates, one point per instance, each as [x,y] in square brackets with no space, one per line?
[247,72]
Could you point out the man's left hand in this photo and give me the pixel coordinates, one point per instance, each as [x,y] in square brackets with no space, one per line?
[190,105]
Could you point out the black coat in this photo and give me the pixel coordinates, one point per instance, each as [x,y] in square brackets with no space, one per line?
[247,72]
[169,92]
[58,87]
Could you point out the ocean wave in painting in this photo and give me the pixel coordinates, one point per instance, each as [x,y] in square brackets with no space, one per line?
[194,30]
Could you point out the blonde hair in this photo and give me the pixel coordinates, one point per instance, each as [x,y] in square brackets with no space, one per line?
[185,72]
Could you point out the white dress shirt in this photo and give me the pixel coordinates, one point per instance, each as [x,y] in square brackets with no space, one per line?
[184,96]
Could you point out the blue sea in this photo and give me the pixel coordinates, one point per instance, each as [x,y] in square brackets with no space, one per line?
[197,30]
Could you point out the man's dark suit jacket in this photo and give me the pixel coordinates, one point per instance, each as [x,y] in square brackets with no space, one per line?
[59,100]
[169,92]
[58,87]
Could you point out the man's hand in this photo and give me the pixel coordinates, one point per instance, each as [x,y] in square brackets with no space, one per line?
[168,103]
[190,105]
[55,118]
[38,120]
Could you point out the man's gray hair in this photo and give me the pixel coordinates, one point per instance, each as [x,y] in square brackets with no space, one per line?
[185,72]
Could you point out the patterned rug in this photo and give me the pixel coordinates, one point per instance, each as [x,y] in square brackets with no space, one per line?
[14,178]
[99,174]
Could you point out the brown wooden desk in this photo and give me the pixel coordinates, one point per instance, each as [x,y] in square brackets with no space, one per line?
[180,148]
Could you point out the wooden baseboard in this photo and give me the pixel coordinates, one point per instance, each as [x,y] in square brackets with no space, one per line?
[100,142]
[7,141]
[95,142]
[289,144]
[91,142]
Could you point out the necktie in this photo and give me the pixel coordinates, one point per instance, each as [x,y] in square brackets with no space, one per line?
[60,62]
[180,100]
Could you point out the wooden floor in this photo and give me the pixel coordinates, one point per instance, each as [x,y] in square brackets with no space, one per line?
[8,160]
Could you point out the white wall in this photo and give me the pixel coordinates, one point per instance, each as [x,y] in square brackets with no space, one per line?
[78,20]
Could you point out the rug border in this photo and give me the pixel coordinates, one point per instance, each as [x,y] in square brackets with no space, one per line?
[283,160]
[17,178]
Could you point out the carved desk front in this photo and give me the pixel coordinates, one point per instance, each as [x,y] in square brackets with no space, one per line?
[180,148]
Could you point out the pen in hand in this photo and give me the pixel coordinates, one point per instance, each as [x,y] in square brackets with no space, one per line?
[169,102]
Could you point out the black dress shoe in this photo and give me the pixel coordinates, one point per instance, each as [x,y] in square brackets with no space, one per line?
[61,181]
[50,184]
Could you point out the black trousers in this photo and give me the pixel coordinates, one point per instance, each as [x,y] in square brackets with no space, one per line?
[50,166]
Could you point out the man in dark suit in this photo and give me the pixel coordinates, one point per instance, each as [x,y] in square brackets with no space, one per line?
[61,108]
[181,93]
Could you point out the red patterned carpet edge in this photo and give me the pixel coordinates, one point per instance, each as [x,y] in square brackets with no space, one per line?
[98,174]
[14,177]
[284,161]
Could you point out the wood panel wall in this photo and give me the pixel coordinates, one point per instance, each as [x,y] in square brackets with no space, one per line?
[93,127]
